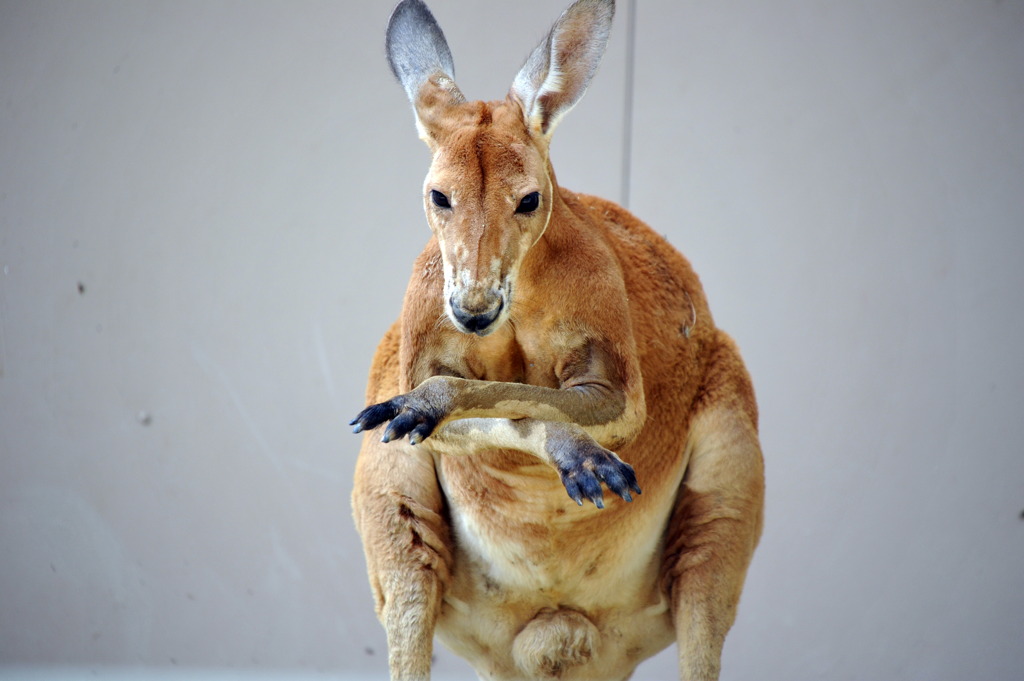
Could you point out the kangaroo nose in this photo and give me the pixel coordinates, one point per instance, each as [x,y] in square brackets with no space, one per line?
[474,320]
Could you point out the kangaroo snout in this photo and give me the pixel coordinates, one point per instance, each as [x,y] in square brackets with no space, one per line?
[477,309]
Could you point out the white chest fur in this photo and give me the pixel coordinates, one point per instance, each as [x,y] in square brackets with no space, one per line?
[519,560]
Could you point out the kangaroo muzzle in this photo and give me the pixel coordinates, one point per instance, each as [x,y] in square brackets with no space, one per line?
[477,309]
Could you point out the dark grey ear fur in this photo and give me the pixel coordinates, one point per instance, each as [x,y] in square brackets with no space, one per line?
[416,47]
[558,72]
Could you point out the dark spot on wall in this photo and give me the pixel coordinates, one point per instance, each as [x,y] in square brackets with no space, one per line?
[369,651]
[81,289]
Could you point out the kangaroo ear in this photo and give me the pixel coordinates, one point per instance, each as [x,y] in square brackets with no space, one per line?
[421,61]
[557,73]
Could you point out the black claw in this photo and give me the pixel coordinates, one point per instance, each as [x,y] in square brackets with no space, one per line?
[421,432]
[591,487]
[615,480]
[573,490]
[621,480]
[401,425]
[373,416]
[629,478]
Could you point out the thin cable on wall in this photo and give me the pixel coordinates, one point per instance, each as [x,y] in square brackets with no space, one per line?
[627,115]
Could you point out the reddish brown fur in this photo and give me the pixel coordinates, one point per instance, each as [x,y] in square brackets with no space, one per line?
[608,331]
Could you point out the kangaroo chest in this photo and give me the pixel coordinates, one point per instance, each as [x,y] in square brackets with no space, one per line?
[533,352]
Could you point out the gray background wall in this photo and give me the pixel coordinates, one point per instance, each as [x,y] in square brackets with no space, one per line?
[208,211]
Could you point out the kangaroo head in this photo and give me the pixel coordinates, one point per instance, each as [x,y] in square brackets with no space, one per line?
[490,190]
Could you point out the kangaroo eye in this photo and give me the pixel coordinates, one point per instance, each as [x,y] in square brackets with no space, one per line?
[439,199]
[529,203]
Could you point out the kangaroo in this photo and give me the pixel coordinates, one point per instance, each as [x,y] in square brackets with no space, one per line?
[550,345]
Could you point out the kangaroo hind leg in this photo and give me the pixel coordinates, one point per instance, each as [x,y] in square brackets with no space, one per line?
[717,519]
[400,515]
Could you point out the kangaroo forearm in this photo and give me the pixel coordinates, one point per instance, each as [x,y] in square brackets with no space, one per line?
[586,404]
[581,463]
[473,435]
[608,415]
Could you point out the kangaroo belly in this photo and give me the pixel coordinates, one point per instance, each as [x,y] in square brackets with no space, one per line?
[543,588]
